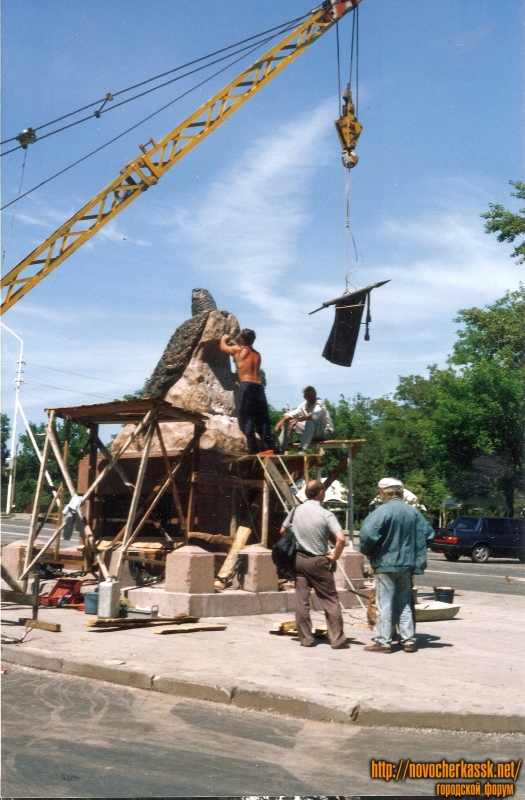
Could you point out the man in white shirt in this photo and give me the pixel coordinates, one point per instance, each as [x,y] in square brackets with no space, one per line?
[311,419]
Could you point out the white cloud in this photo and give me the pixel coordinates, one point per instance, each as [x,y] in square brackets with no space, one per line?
[248,225]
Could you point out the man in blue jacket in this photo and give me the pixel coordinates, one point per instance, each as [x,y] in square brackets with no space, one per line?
[395,538]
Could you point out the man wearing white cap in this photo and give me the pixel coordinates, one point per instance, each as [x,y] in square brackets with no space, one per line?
[395,538]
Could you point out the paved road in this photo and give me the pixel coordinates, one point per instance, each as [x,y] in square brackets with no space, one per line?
[14,529]
[499,576]
[65,736]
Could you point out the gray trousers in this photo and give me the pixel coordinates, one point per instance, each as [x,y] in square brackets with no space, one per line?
[312,572]
[308,429]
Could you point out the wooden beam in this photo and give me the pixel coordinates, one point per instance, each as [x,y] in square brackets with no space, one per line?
[118,469]
[334,474]
[174,490]
[241,537]
[132,622]
[16,587]
[265,514]
[20,598]
[36,502]
[39,623]
[191,629]
[235,483]
[136,496]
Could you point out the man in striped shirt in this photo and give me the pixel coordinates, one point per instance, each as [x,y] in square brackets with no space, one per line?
[312,525]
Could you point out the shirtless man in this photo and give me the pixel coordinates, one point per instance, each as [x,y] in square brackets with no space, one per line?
[252,407]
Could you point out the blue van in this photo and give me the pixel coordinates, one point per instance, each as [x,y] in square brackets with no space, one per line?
[482,538]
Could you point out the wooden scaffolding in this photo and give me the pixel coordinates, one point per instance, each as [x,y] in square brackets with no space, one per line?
[207,495]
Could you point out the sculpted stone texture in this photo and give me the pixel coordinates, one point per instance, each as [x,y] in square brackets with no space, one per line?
[195,375]
[201,300]
[261,575]
[221,433]
[190,569]
[353,564]
[207,384]
[176,356]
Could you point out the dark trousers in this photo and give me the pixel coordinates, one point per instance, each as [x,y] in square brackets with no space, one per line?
[313,572]
[252,411]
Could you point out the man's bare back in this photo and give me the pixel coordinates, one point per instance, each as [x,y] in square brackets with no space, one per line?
[247,359]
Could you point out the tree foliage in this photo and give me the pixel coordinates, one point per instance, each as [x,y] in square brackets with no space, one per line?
[507,224]
[28,463]
[5,431]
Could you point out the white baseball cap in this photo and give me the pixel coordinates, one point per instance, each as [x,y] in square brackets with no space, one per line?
[386,483]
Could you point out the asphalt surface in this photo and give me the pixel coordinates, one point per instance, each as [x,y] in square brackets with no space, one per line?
[14,529]
[65,736]
[497,576]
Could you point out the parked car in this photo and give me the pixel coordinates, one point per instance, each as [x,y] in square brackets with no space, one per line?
[481,538]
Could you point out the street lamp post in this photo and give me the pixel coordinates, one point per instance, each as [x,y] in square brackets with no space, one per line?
[18,382]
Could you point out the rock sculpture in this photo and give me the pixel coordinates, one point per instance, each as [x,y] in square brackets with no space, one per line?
[195,375]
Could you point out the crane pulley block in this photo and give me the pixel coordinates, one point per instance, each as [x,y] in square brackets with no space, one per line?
[348,129]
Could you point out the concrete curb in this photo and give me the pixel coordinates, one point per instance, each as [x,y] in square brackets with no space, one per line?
[407,712]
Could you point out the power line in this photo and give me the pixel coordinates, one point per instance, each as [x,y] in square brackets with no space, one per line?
[77,374]
[137,124]
[282,28]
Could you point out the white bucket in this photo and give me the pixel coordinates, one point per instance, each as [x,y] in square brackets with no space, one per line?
[109,599]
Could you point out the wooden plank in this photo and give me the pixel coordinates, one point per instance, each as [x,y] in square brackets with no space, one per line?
[191,629]
[217,538]
[54,627]
[241,537]
[334,474]
[233,482]
[265,513]
[21,598]
[11,581]
[280,482]
[131,622]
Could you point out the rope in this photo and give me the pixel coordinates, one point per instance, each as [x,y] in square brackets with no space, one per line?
[348,234]
[338,70]
[14,209]
[354,44]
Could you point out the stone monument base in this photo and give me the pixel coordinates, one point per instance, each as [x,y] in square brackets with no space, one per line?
[227,602]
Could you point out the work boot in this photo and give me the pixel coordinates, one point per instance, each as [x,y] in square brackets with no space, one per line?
[378,648]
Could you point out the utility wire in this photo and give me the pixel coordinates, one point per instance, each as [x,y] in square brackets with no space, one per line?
[79,375]
[14,209]
[120,135]
[142,94]
[282,28]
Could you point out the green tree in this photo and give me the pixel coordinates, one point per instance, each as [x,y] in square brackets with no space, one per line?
[28,463]
[507,224]
[495,334]
[5,431]
[470,415]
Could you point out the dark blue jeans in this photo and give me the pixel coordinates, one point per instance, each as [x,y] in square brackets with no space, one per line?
[252,410]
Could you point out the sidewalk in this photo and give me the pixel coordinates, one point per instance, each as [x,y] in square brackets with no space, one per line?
[467,675]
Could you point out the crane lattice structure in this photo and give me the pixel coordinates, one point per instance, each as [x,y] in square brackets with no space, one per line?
[158,157]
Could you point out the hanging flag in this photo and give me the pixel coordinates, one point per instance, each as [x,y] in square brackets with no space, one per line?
[340,346]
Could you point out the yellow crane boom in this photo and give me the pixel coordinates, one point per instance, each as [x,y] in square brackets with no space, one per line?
[158,158]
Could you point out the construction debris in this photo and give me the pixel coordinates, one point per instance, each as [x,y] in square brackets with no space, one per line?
[54,627]
[191,628]
[289,628]
[127,622]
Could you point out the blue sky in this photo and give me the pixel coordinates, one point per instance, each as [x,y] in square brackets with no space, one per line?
[256,212]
